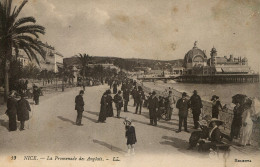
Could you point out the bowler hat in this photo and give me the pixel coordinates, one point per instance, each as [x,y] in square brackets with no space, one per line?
[184,94]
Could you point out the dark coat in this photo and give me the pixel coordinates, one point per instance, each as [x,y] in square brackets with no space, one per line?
[153,103]
[126,95]
[109,101]
[118,101]
[130,135]
[216,107]
[11,112]
[23,110]
[183,106]
[195,104]
[79,103]
[103,109]
[140,96]
[215,136]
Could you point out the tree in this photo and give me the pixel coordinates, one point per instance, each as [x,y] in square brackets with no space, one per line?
[84,60]
[18,34]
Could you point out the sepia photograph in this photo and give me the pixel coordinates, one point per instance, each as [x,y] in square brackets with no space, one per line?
[128,83]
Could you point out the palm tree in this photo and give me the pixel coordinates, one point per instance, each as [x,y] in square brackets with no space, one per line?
[18,34]
[84,60]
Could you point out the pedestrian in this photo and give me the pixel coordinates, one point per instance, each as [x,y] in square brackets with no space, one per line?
[36,94]
[216,106]
[23,111]
[183,106]
[114,87]
[196,106]
[103,108]
[119,103]
[130,135]
[79,106]
[140,97]
[170,104]
[153,105]
[236,122]
[161,107]
[126,99]
[109,101]
[247,124]
[12,111]
[134,94]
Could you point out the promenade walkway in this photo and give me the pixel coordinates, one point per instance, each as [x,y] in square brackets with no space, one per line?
[51,132]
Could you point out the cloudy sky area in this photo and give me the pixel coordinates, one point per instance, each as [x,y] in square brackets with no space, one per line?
[154,29]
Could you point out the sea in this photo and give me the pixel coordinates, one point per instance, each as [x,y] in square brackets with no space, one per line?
[206,91]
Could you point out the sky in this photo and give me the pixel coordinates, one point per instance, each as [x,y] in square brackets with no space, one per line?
[152,29]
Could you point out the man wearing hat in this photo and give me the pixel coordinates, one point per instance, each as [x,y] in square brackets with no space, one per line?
[79,106]
[153,105]
[196,105]
[183,106]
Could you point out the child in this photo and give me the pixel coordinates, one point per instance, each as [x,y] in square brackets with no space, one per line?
[130,135]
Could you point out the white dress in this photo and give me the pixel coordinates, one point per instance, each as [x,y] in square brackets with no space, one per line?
[246,129]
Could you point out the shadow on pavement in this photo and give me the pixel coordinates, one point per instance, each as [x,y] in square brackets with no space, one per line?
[66,120]
[178,143]
[4,124]
[158,126]
[91,119]
[93,113]
[109,146]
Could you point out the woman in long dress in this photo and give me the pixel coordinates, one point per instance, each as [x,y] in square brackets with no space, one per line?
[109,100]
[237,121]
[12,111]
[103,109]
[247,126]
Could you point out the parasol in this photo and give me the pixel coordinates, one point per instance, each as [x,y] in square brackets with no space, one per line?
[239,98]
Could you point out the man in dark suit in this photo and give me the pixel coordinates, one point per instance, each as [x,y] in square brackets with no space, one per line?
[196,105]
[79,106]
[126,99]
[153,105]
[183,106]
[139,99]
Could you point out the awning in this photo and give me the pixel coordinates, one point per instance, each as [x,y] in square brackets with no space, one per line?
[235,69]
[218,69]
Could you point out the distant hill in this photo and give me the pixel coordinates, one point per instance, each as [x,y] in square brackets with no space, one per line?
[128,63]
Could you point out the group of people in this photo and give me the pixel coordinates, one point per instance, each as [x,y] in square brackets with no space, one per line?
[17,110]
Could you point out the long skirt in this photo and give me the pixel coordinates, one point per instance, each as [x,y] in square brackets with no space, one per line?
[102,115]
[110,112]
[235,127]
[246,133]
[12,122]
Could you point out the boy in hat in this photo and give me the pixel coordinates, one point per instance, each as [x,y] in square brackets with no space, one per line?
[130,135]
[183,106]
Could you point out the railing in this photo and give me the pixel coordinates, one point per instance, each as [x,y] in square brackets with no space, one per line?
[226,116]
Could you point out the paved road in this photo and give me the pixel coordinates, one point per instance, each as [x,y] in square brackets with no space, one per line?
[51,131]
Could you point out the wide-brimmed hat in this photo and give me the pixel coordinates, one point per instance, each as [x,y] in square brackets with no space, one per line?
[218,122]
[127,121]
